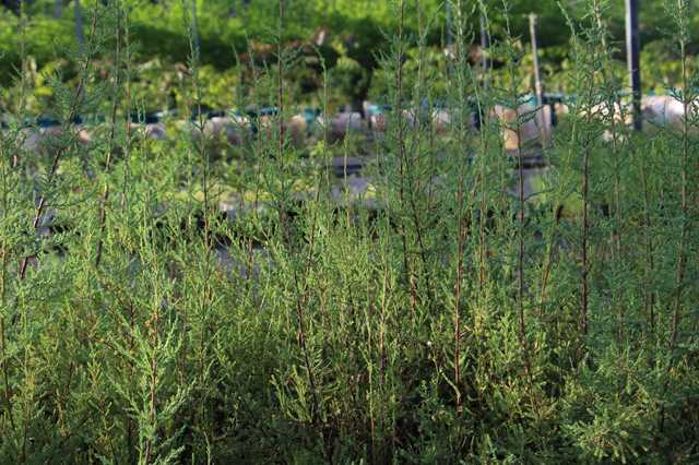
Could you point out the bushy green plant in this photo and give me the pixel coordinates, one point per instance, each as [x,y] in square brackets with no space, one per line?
[440,316]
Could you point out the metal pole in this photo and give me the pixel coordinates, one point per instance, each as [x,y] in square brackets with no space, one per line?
[79,35]
[633,54]
[447,6]
[538,85]
[485,43]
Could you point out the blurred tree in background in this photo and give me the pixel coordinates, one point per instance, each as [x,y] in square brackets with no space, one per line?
[353,29]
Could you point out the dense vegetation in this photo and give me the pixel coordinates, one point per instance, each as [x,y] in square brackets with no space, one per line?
[444,314]
[356,28]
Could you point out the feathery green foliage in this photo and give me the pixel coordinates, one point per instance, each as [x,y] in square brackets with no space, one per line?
[444,315]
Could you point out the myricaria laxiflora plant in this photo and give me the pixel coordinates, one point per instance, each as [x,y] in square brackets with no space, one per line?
[445,288]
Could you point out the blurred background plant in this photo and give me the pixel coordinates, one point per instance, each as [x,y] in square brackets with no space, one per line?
[354,31]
